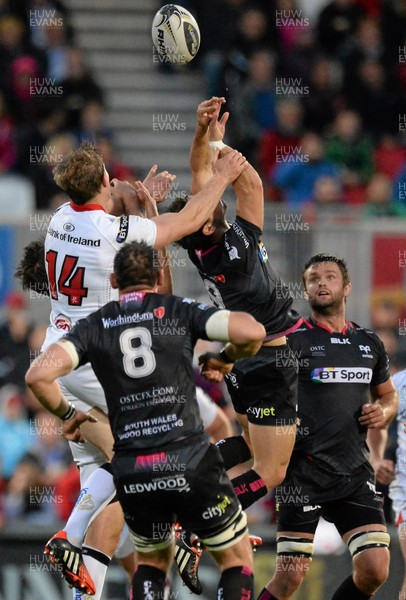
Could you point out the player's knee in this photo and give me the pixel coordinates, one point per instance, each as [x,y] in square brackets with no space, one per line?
[240,554]
[371,573]
[272,474]
[370,552]
[289,574]
[293,562]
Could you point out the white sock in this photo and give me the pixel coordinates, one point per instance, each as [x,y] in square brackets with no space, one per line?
[99,490]
[96,563]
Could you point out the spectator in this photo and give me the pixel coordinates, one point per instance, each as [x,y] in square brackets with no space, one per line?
[14,349]
[389,156]
[33,152]
[57,51]
[78,88]
[327,192]
[216,38]
[297,179]
[115,168]
[379,199]
[252,34]
[56,147]
[8,150]
[279,141]
[377,101]
[296,62]
[15,439]
[337,22]
[288,29]
[324,100]
[327,200]
[33,12]
[365,45]
[13,46]
[255,104]
[92,123]
[350,150]
[31,492]
[26,82]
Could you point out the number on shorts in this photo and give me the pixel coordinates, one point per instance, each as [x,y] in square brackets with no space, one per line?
[132,354]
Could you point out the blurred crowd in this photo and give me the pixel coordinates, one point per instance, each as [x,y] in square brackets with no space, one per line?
[317,94]
[49,99]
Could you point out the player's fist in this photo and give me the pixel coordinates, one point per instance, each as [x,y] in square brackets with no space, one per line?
[213,368]
[372,416]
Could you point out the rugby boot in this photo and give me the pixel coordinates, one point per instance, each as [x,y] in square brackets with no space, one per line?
[187,557]
[255,541]
[74,570]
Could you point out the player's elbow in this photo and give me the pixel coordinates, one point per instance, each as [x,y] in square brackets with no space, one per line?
[255,181]
[33,378]
[254,334]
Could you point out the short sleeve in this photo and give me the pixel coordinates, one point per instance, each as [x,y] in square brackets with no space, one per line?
[132,228]
[79,337]
[199,314]
[381,371]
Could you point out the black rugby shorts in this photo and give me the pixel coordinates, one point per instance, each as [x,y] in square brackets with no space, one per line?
[264,386]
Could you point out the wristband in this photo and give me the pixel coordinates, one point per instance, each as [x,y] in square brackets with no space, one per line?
[217,145]
[225,357]
[69,413]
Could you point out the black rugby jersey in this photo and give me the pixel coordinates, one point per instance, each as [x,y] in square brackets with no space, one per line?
[336,371]
[141,349]
[238,276]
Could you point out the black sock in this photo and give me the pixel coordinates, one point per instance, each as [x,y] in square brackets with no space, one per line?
[266,595]
[249,487]
[148,582]
[234,451]
[236,583]
[349,591]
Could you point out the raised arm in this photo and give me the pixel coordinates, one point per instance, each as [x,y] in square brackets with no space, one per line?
[148,202]
[248,187]
[200,154]
[173,226]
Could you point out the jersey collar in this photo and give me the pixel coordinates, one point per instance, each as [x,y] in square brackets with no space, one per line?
[85,207]
[136,297]
[310,322]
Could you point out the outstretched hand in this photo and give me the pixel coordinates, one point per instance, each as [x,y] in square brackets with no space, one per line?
[158,185]
[213,368]
[209,110]
[217,128]
[71,428]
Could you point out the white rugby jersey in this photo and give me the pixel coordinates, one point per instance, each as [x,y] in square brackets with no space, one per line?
[399,379]
[80,247]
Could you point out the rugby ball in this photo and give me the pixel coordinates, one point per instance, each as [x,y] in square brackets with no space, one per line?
[175,34]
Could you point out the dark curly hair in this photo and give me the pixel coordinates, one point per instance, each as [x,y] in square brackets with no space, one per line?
[31,270]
